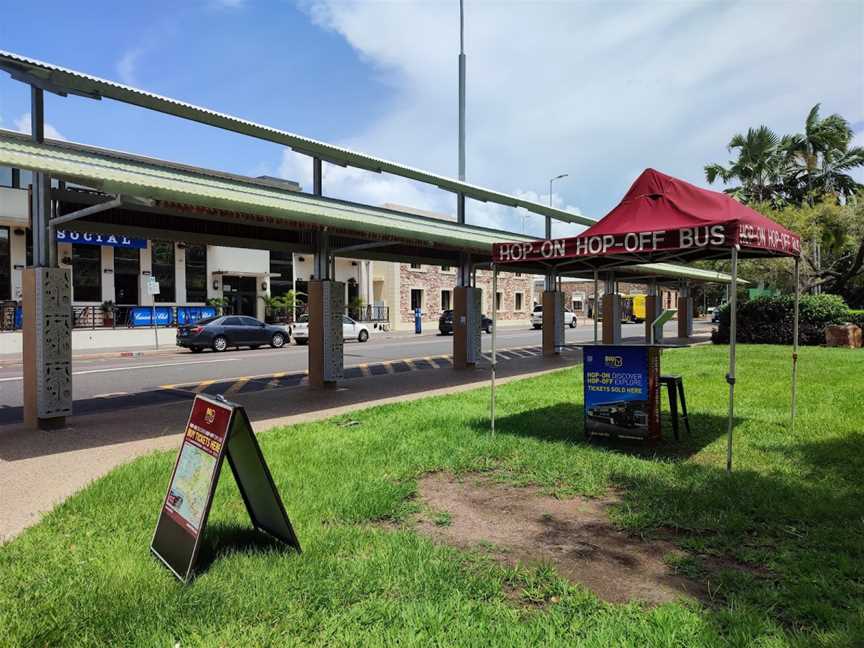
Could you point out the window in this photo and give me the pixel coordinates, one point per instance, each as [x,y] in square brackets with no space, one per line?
[415,266]
[281,263]
[445,268]
[5,265]
[577,305]
[518,302]
[163,269]
[249,321]
[196,273]
[498,301]
[416,298]
[518,274]
[5,177]
[445,300]
[87,273]
[232,321]
[25,179]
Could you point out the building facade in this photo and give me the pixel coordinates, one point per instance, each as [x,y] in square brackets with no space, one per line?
[119,269]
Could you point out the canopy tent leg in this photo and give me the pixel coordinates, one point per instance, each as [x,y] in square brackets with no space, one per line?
[494,333]
[795,341]
[596,302]
[730,377]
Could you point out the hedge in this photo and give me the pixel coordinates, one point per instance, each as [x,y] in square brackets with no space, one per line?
[856,317]
[769,320]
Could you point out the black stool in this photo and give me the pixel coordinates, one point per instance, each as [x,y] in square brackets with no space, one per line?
[675,387]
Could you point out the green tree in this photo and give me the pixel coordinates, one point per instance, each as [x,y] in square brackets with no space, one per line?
[793,169]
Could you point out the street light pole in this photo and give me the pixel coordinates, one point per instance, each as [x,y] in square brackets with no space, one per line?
[461,91]
[549,218]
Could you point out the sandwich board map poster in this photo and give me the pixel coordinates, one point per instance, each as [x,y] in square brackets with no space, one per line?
[215,429]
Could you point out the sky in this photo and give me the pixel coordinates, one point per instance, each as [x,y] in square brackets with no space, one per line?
[597,90]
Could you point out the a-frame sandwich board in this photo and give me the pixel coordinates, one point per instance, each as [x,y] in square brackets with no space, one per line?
[216,429]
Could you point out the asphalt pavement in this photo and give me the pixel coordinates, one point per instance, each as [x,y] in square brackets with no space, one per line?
[103,383]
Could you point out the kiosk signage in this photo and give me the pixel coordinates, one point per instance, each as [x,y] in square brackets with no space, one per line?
[216,429]
[622,391]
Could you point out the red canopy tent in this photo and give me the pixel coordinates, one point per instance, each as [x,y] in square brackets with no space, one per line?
[662,218]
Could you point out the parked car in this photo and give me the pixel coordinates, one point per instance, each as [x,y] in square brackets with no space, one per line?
[537,317]
[219,333]
[351,330]
[445,323]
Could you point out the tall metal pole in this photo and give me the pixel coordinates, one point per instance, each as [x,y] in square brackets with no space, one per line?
[730,377]
[795,341]
[461,90]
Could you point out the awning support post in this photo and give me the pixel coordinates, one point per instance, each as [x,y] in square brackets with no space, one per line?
[730,377]
[795,341]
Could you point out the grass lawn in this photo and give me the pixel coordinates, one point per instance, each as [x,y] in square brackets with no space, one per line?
[789,524]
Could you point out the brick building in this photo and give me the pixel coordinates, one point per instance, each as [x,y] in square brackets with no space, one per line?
[579,293]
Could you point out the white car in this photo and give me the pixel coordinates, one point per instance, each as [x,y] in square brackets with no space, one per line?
[537,318]
[351,330]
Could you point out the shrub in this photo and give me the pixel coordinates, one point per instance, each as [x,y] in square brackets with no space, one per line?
[769,320]
[856,317]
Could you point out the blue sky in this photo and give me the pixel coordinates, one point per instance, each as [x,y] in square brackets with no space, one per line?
[596,90]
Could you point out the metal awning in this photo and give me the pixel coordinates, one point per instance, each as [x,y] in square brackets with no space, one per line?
[62,81]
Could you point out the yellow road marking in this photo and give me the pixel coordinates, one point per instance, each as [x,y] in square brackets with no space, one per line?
[410,364]
[274,379]
[389,367]
[433,361]
[364,370]
[200,387]
[237,386]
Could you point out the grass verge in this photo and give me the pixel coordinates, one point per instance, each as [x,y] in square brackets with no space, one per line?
[780,542]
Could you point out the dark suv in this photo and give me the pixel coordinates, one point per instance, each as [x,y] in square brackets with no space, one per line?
[219,333]
[445,323]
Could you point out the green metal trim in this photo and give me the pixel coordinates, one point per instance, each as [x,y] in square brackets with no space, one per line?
[112,173]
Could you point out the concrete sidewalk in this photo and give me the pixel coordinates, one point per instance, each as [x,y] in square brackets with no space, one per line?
[40,469]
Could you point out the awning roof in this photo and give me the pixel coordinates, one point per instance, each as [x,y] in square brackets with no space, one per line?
[120,173]
[216,195]
[662,218]
[62,81]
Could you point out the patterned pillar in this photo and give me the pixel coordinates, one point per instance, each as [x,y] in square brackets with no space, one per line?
[47,347]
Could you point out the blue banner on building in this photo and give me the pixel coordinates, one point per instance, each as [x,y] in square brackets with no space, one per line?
[191,314]
[621,391]
[143,316]
[111,240]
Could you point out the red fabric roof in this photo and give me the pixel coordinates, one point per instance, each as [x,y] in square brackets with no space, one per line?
[664,218]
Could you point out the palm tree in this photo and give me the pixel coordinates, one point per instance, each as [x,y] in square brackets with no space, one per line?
[760,168]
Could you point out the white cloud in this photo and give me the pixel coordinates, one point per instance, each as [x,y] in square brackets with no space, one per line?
[127,66]
[23,125]
[597,90]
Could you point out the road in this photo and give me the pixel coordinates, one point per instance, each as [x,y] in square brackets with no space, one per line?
[103,383]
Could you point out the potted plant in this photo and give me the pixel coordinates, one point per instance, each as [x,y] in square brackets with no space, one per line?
[218,303]
[107,308]
[355,308]
[272,306]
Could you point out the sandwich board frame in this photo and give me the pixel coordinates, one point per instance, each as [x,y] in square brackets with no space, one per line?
[216,429]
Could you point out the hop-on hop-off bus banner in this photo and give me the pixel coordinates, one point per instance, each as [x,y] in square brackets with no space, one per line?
[621,391]
[662,217]
[215,430]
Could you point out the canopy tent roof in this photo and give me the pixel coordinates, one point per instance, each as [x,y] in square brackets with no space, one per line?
[661,218]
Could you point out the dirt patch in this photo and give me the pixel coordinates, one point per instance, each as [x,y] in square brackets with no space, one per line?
[523,525]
